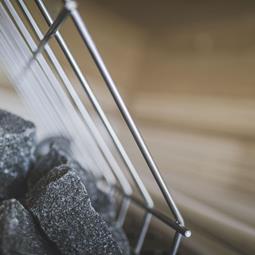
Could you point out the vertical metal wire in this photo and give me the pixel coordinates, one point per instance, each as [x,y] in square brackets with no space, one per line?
[123,211]
[142,235]
[175,244]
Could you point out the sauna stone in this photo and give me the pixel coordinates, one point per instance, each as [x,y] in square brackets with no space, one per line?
[17,144]
[60,203]
[87,178]
[105,205]
[121,239]
[55,157]
[61,143]
[103,202]
[19,233]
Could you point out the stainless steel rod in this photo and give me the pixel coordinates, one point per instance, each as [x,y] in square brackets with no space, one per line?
[125,113]
[176,244]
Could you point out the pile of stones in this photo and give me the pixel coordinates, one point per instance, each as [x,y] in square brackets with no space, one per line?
[50,204]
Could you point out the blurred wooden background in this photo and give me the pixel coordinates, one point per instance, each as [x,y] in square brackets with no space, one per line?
[186,70]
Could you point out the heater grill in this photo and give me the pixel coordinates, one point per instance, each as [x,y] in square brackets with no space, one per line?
[47,89]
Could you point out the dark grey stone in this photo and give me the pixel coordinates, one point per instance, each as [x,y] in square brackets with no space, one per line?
[87,178]
[19,234]
[17,144]
[58,142]
[62,206]
[55,157]
[121,239]
[104,203]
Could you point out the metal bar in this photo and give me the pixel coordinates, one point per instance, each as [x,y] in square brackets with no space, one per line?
[123,211]
[159,215]
[125,113]
[69,5]
[145,194]
[176,244]
[143,232]
[162,217]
